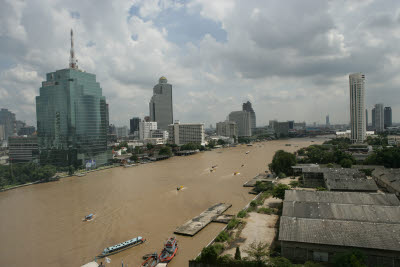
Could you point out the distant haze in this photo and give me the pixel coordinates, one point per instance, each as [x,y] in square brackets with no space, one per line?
[291,59]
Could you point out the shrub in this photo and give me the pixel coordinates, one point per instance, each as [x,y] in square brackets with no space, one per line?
[222,237]
[279,191]
[233,223]
[280,262]
[321,189]
[237,254]
[294,183]
[352,258]
[265,210]
[346,163]
[242,214]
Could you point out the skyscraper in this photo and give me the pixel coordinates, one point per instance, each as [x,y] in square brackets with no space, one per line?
[373,118]
[160,105]
[247,107]
[72,118]
[134,123]
[379,126]
[387,117]
[7,119]
[366,118]
[327,121]
[243,122]
[357,107]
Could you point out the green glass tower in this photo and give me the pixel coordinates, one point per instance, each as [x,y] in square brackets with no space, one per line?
[72,118]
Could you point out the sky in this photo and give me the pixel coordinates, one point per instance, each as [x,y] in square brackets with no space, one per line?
[291,58]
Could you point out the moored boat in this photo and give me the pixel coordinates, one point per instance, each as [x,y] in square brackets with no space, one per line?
[151,260]
[122,246]
[169,251]
[88,217]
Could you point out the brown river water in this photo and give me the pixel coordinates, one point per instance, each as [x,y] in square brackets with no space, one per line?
[41,225]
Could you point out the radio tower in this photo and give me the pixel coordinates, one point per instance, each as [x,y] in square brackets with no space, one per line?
[72,61]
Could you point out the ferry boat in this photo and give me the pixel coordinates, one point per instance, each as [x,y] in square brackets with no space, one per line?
[169,251]
[151,260]
[122,246]
[179,187]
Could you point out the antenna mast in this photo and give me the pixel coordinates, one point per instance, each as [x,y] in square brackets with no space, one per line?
[72,61]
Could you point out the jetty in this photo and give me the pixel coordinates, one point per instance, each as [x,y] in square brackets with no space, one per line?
[260,177]
[193,226]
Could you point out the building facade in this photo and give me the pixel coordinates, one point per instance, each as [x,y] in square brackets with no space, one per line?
[373,118]
[134,125]
[357,107]
[122,132]
[71,118]
[184,133]
[248,107]
[379,118]
[7,119]
[161,110]
[366,118]
[227,128]
[145,129]
[26,130]
[23,149]
[243,122]
[387,117]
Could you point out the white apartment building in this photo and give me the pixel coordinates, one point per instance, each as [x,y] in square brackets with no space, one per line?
[184,133]
[145,128]
[357,107]
[379,118]
[243,122]
[227,128]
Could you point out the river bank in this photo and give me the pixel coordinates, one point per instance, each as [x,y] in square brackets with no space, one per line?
[44,221]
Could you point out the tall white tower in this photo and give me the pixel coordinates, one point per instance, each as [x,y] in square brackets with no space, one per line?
[357,107]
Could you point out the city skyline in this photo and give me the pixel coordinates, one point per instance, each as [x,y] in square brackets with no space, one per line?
[207,58]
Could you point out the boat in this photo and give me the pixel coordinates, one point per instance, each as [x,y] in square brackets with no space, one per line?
[151,260]
[129,165]
[236,173]
[179,188]
[122,246]
[215,166]
[81,174]
[247,152]
[249,145]
[169,251]
[88,217]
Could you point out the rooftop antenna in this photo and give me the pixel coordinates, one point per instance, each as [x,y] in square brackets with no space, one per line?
[72,61]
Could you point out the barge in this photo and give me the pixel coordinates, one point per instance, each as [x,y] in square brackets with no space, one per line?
[122,246]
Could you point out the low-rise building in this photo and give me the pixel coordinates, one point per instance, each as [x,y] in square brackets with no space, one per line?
[388,179]
[23,149]
[159,134]
[184,133]
[318,225]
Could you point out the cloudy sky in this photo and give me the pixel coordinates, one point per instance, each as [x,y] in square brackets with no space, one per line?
[291,59]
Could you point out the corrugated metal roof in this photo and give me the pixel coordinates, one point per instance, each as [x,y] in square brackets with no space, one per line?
[388,176]
[340,233]
[342,197]
[335,211]
[349,184]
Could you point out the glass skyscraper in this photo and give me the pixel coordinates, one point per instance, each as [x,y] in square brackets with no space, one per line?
[72,119]
[160,105]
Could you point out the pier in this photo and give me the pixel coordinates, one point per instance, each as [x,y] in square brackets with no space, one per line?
[193,226]
[260,177]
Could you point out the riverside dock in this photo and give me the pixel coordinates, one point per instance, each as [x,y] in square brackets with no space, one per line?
[260,177]
[193,226]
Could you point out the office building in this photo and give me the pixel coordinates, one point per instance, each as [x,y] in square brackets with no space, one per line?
[291,124]
[159,135]
[145,129]
[26,130]
[184,133]
[282,128]
[243,122]
[134,125]
[227,128]
[7,118]
[373,118]
[161,110]
[366,118]
[23,149]
[327,121]
[379,118]
[71,118]
[387,117]
[2,133]
[247,107]
[122,132]
[357,107]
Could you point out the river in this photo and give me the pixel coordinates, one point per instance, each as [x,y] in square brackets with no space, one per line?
[41,225]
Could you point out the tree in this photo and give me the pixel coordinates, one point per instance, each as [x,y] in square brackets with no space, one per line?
[279,191]
[211,143]
[208,255]
[221,142]
[237,254]
[190,146]
[71,170]
[352,258]
[282,162]
[346,163]
[257,251]
[134,157]
[280,262]
[149,146]
[3,182]
[166,150]
[138,150]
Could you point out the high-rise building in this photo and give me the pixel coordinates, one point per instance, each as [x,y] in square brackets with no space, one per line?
[387,117]
[145,128]
[122,132]
[184,133]
[2,133]
[160,105]
[7,119]
[379,122]
[71,118]
[373,118]
[134,123]
[327,121]
[366,117]
[247,107]
[27,130]
[227,128]
[243,122]
[357,107]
